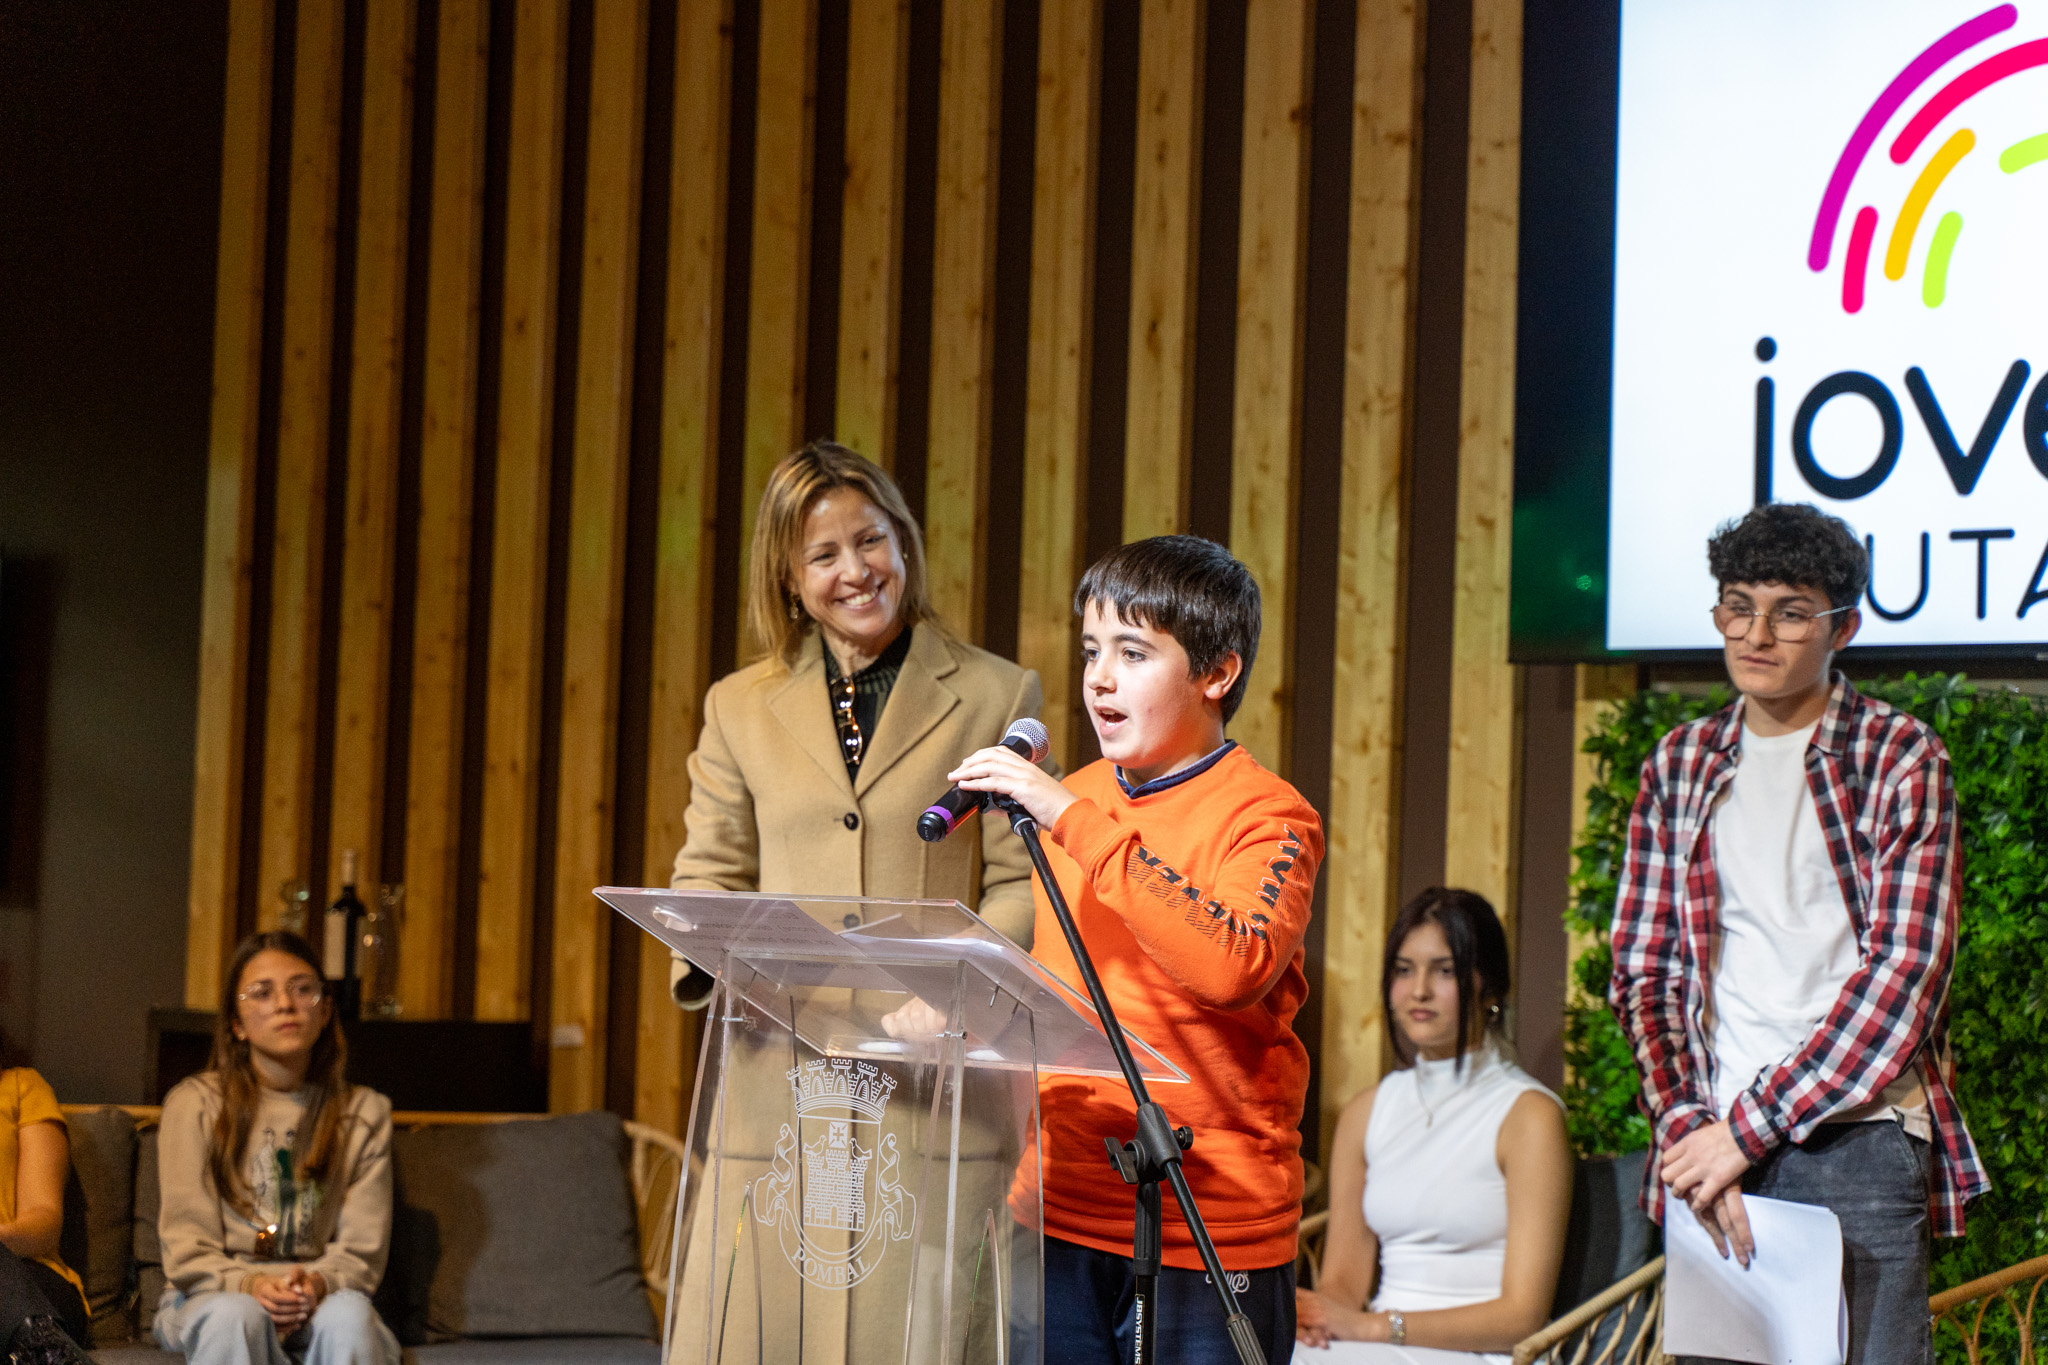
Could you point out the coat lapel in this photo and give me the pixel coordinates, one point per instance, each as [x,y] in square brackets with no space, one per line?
[918,702]
[801,705]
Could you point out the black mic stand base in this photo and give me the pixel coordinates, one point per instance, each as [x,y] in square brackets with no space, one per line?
[1152,1155]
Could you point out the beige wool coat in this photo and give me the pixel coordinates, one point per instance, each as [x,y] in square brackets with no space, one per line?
[771,808]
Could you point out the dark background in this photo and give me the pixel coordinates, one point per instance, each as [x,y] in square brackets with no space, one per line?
[1564,322]
[109,181]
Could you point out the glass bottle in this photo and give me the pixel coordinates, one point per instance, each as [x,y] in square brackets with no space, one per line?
[377,958]
[344,918]
[298,907]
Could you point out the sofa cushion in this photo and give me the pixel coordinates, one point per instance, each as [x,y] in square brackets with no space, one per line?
[521,1229]
[517,1351]
[98,1212]
[538,1351]
[135,1353]
[149,1251]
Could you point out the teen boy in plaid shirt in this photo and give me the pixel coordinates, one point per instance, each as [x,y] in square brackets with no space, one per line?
[1784,935]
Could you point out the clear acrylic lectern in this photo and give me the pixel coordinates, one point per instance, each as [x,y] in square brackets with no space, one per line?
[863,1182]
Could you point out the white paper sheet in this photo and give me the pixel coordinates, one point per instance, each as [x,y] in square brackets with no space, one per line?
[1787,1308]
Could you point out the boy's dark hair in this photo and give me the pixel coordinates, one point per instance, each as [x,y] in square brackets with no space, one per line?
[1793,543]
[1479,957]
[1190,588]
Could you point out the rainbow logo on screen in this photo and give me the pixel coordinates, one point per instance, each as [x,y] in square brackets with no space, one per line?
[2016,155]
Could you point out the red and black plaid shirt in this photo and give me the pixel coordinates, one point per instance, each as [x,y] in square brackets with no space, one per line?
[1880,782]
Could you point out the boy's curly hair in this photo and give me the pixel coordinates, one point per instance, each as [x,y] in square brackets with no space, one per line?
[1793,543]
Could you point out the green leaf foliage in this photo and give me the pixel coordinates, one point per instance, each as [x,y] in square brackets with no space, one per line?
[1998,997]
[1601,1082]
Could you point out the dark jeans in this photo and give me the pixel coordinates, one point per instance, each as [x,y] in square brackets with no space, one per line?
[1873,1177]
[31,1289]
[1088,1311]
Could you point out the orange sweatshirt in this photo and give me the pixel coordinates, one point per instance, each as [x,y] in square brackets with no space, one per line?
[1192,899]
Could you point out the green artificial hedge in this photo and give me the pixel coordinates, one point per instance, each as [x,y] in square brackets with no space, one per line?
[1998,1020]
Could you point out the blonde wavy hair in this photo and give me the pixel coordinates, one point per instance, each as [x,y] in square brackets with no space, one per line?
[776,620]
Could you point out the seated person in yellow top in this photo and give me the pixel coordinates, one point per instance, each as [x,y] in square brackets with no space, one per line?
[1190,870]
[42,1304]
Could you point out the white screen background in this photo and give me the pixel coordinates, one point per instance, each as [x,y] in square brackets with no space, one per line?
[1732,115]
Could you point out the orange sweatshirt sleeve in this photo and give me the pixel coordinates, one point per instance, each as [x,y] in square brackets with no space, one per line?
[1225,944]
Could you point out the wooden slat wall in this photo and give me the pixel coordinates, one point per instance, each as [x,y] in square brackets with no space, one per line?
[963,322]
[1056,402]
[1596,687]
[299,538]
[1479,849]
[441,632]
[686,541]
[230,504]
[594,616]
[1165,223]
[369,535]
[871,225]
[1365,728]
[778,301]
[664,397]
[1266,431]
[519,550]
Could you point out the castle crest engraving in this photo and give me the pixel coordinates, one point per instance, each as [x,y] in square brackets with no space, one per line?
[833,1193]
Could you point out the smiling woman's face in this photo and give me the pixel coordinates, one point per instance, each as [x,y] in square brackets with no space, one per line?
[848,574]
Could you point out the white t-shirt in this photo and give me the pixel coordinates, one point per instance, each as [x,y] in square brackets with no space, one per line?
[1788,944]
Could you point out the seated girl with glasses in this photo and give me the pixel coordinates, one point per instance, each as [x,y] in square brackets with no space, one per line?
[276,1177]
[1451,1180]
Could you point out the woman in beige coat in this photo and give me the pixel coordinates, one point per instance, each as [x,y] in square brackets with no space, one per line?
[811,770]
[816,760]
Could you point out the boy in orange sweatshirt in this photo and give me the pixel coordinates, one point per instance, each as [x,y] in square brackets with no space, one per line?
[1189,870]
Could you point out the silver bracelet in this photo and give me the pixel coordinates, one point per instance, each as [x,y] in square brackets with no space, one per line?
[1397,1328]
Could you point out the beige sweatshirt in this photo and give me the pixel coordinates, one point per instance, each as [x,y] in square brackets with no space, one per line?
[340,1227]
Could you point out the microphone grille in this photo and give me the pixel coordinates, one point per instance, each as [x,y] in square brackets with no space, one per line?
[1032,733]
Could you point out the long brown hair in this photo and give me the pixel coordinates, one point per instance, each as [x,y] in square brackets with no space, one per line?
[326,1073]
[774,615]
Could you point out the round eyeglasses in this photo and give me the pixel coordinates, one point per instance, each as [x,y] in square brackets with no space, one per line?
[303,991]
[1793,625]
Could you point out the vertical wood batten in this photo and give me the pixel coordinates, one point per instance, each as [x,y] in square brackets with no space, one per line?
[426,960]
[230,503]
[871,226]
[1366,693]
[1266,421]
[1166,218]
[580,989]
[1479,846]
[304,399]
[963,293]
[686,534]
[778,295]
[1596,689]
[519,549]
[369,542]
[1056,387]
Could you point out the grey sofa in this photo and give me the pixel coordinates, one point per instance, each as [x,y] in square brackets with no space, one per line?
[523,1242]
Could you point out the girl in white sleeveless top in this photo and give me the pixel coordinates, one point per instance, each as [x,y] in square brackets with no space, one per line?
[1450,1181]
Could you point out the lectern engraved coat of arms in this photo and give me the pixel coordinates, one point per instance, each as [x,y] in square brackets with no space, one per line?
[832,1193]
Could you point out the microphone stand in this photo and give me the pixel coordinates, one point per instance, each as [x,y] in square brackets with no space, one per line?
[1153,1154]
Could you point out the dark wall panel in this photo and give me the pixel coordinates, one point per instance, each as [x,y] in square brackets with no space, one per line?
[110,135]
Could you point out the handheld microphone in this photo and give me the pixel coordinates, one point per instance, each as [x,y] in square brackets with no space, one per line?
[1026,738]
